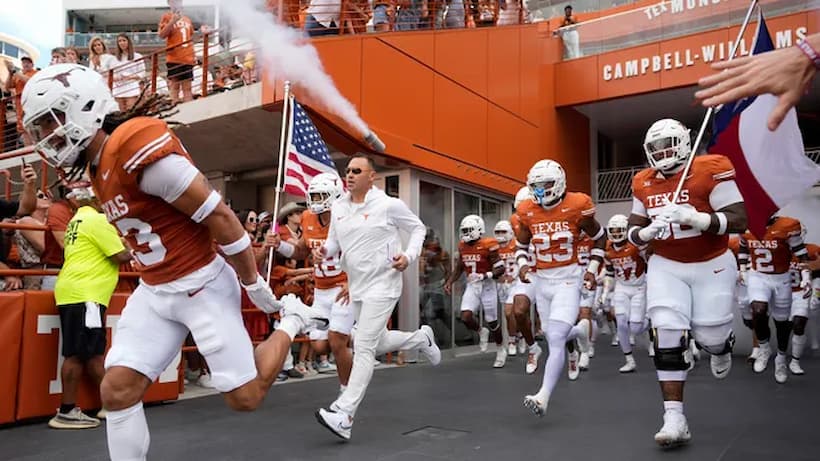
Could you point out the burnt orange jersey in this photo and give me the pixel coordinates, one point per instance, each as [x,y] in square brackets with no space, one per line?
[685,244]
[180,46]
[814,253]
[476,257]
[772,254]
[626,260]
[556,231]
[167,243]
[515,222]
[507,254]
[584,246]
[328,273]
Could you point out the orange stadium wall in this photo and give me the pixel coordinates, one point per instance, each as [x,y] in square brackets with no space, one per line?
[30,384]
[474,105]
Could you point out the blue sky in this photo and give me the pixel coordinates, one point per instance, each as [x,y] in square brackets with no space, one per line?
[38,22]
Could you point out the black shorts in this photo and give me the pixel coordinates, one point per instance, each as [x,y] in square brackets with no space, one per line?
[78,340]
[179,72]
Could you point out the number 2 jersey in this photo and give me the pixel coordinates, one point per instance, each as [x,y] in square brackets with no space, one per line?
[556,233]
[772,254]
[327,273]
[702,189]
[167,243]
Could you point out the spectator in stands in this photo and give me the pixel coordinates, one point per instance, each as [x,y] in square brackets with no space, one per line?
[323,17]
[58,56]
[178,31]
[511,12]
[264,221]
[569,19]
[411,14]
[31,243]
[130,70]
[451,14]
[482,13]
[28,198]
[93,253]
[249,68]
[9,260]
[72,55]
[15,83]
[290,222]
[57,219]
[358,13]
[98,57]
[569,34]
[383,10]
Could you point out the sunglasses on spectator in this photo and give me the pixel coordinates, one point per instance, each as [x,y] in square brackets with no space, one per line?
[41,195]
[251,219]
[354,170]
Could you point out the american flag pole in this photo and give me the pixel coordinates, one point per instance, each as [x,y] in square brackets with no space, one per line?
[284,141]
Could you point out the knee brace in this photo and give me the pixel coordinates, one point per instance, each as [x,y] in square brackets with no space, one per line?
[725,348]
[671,358]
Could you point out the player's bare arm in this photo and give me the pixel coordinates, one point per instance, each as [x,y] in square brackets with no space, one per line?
[523,236]
[448,286]
[592,227]
[496,264]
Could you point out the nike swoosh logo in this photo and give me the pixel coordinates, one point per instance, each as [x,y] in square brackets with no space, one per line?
[191,294]
[105,175]
[720,372]
[564,210]
[718,271]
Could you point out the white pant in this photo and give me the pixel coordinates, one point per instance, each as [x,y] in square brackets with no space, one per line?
[742,300]
[690,294]
[154,325]
[372,337]
[340,315]
[800,305]
[773,289]
[630,301]
[557,299]
[520,288]
[481,295]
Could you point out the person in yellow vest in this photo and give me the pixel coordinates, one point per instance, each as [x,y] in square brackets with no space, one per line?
[93,253]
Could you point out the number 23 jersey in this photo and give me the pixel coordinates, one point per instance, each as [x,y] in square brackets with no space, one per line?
[556,232]
[167,243]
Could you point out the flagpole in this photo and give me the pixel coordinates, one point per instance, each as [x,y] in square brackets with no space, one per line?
[711,110]
[283,145]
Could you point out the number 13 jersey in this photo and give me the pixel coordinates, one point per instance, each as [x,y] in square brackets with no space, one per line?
[556,233]
[167,243]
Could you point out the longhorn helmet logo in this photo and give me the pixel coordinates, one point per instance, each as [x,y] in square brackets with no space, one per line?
[62,77]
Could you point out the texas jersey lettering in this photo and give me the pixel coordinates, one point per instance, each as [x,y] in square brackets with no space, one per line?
[772,253]
[166,242]
[476,257]
[627,261]
[328,274]
[555,231]
[653,190]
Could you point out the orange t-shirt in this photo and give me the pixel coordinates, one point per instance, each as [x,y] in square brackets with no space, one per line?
[685,244]
[57,218]
[180,46]
[476,257]
[772,254]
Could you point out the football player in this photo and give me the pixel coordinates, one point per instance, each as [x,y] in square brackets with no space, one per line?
[802,300]
[769,280]
[503,233]
[625,268]
[478,257]
[691,275]
[164,207]
[553,222]
[742,293]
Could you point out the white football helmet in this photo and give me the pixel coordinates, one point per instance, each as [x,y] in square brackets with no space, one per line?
[503,232]
[667,145]
[616,228]
[471,228]
[64,106]
[547,182]
[523,194]
[324,189]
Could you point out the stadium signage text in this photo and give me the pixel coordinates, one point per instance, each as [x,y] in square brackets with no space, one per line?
[677,6]
[690,56]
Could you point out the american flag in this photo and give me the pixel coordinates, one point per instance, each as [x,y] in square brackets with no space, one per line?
[307,154]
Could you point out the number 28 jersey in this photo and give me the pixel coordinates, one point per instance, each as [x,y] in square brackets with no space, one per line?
[167,243]
[556,232]
[327,273]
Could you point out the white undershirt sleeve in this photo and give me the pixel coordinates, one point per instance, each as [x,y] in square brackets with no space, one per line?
[168,177]
[725,193]
[638,208]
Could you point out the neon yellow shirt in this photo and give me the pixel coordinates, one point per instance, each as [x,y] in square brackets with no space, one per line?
[88,273]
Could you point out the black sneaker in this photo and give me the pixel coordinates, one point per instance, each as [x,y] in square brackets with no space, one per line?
[294,373]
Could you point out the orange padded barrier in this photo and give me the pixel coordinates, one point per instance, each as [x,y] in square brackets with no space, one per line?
[39,385]
[11,332]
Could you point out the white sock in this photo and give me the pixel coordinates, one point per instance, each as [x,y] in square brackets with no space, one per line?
[127,433]
[291,325]
[557,333]
[673,405]
[623,333]
[533,347]
[798,343]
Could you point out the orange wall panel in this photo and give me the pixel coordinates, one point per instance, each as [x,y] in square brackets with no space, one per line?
[530,64]
[419,45]
[11,332]
[397,96]
[342,59]
[462,56]
[459,122]
[39,386]
[504,68]
[572,148]
[576,81]
[511,143]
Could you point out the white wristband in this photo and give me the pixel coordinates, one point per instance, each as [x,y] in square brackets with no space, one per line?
[238,246]
[488,275]
[207,207]
[285,249]
[593,266]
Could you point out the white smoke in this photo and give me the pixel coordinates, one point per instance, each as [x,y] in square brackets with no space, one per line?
[286,54]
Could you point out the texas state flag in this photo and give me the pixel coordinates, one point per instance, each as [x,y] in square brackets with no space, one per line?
[771,167]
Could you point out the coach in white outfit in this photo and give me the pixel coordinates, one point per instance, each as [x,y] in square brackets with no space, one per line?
[365,226]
